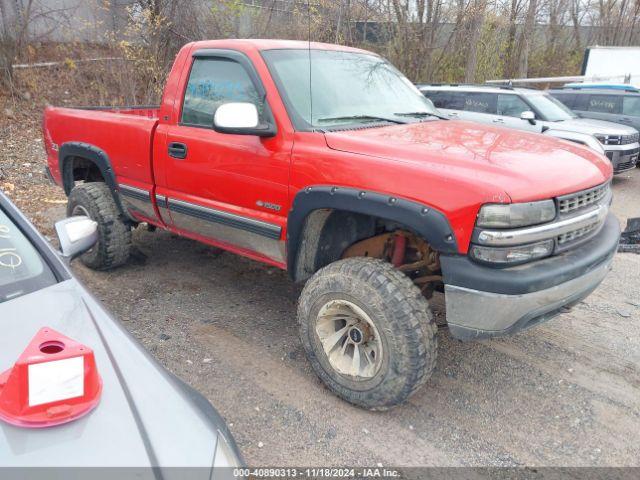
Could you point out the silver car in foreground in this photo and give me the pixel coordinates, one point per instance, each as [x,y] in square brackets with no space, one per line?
[535,111]
[148,423]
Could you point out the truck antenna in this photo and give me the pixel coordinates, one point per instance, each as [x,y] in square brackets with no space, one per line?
[309,50]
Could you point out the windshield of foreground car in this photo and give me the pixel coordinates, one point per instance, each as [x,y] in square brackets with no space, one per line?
[552,110]
[348,88]
[22,270]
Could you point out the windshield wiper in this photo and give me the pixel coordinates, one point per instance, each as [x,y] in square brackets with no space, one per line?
[362,117]
[420,114]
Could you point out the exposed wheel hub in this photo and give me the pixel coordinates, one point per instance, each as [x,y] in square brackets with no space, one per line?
[356,335]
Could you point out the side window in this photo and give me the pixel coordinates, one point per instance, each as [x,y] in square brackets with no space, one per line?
[443,99]
[511,105]
[212,82]
[480,102]
[631,106]
[435,97]
[580,102]
[566,98]
[604,103]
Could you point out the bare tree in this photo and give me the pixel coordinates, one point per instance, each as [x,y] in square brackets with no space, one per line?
[476,21]
[429,40]
[18,22]
[524,42]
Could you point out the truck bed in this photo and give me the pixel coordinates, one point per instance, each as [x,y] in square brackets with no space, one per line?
[125,134]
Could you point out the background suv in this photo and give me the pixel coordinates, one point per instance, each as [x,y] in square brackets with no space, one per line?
[617,106]
[535,111]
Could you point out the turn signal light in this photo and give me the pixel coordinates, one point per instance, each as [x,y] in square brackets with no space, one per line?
[54,381]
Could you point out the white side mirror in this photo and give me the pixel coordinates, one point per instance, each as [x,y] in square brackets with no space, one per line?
[231,116]
[76,235]
[528,115]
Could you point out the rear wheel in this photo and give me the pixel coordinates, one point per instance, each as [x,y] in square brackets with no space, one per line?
[367,331]
[95,201]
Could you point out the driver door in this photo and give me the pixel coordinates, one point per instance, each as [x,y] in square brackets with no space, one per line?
[230,190]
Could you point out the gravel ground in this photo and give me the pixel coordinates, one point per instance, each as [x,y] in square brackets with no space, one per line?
[565,393]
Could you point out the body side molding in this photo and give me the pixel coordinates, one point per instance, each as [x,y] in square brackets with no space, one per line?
[251,225]
[229,228]
[137,201]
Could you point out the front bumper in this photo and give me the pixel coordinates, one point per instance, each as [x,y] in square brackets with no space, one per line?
[622,157]
[484,302]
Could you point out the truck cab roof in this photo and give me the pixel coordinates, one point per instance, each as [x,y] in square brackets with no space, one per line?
[273,44]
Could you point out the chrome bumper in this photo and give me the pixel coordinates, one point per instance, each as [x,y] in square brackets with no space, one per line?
[474,314]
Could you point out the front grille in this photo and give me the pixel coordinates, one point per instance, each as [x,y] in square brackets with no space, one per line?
[618,139]
[575,201]
[576,234]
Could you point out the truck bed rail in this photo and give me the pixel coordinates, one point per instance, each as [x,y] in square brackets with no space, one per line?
[149,111]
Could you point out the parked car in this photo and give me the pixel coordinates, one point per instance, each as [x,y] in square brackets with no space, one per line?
[366,193]
[619,106]
[146,420]
[535,111]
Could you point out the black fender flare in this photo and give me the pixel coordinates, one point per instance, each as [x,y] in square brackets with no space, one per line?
[69,150]
[429,223]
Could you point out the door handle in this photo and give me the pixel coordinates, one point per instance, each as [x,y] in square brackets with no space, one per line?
[177,150]
[497,120]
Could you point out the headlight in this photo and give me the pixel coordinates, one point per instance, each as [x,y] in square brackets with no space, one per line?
[512,255]
[512,215]
[602,138]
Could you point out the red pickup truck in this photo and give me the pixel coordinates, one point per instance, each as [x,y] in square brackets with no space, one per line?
[327,162]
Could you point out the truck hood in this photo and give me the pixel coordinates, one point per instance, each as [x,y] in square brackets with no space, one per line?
[525,166]
[145,416]
[591,126]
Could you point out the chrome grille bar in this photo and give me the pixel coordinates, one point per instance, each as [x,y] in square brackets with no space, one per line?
[575,201]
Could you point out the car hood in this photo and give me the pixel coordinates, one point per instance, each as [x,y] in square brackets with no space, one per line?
[591,126]
[145,416]
[523,165]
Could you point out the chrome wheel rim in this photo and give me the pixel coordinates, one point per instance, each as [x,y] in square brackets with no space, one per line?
[350,339]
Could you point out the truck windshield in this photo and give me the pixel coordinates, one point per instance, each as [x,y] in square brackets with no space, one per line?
[22,270]
[348,88]
[549,108]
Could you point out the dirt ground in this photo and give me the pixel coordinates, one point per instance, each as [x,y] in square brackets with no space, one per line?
[564,393]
